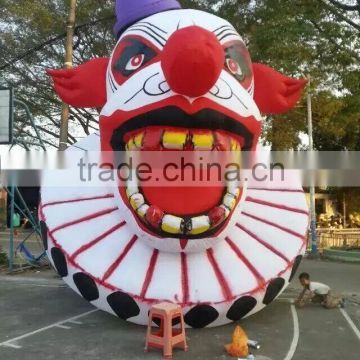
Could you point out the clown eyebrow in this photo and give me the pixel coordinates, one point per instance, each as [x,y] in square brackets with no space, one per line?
[224,31]
[148,28]
[154,36]
[228,27]
[227,35]
[156,27]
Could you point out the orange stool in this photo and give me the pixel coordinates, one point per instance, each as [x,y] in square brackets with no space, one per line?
[166,337]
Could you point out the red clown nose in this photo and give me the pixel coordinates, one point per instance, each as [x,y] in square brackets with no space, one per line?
[192,61]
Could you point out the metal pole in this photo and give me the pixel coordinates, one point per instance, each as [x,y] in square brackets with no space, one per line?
[344,211]
[64,125]
[314,246]
[11,245]
[31,119]
[26,210]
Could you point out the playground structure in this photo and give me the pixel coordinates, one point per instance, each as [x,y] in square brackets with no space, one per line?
[21,255]
[17,206]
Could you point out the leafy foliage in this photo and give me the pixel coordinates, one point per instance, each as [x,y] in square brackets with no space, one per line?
[297,37]
[25,25]
[306,37]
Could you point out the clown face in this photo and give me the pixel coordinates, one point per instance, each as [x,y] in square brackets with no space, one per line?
[180,80]
[183,83]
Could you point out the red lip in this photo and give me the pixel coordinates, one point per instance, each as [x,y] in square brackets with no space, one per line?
[120,118]
[190,206]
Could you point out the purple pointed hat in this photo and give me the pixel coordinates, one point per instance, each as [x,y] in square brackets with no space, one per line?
[130,11]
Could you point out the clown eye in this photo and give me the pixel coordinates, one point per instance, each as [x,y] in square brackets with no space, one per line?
[234,67]
[130,56]
[135,62]
[238,62]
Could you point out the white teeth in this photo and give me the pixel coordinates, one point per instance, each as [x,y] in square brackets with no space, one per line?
[137,200]
[142,210]
[174,140]
[131,189]
[132,184]
[178,140]
[203,141]
[172,224]
[176,225]
[199,225]
[233,189]
[229,201]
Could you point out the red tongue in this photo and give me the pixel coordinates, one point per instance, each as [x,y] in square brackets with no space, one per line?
[185,191]
[175,198]
[182,201]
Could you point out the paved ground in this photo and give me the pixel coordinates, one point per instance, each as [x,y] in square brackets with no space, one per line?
[42,319]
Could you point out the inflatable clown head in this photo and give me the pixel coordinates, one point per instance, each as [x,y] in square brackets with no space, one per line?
[177,80]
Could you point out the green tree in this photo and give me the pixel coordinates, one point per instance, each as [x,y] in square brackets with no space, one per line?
[36,29]
[317,37]
[306,37]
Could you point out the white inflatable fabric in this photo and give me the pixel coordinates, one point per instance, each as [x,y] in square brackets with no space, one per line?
[92,234]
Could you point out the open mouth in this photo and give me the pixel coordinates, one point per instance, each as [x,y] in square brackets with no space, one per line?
[183,211]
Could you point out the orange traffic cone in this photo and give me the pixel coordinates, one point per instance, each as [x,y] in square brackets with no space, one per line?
[239,346]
